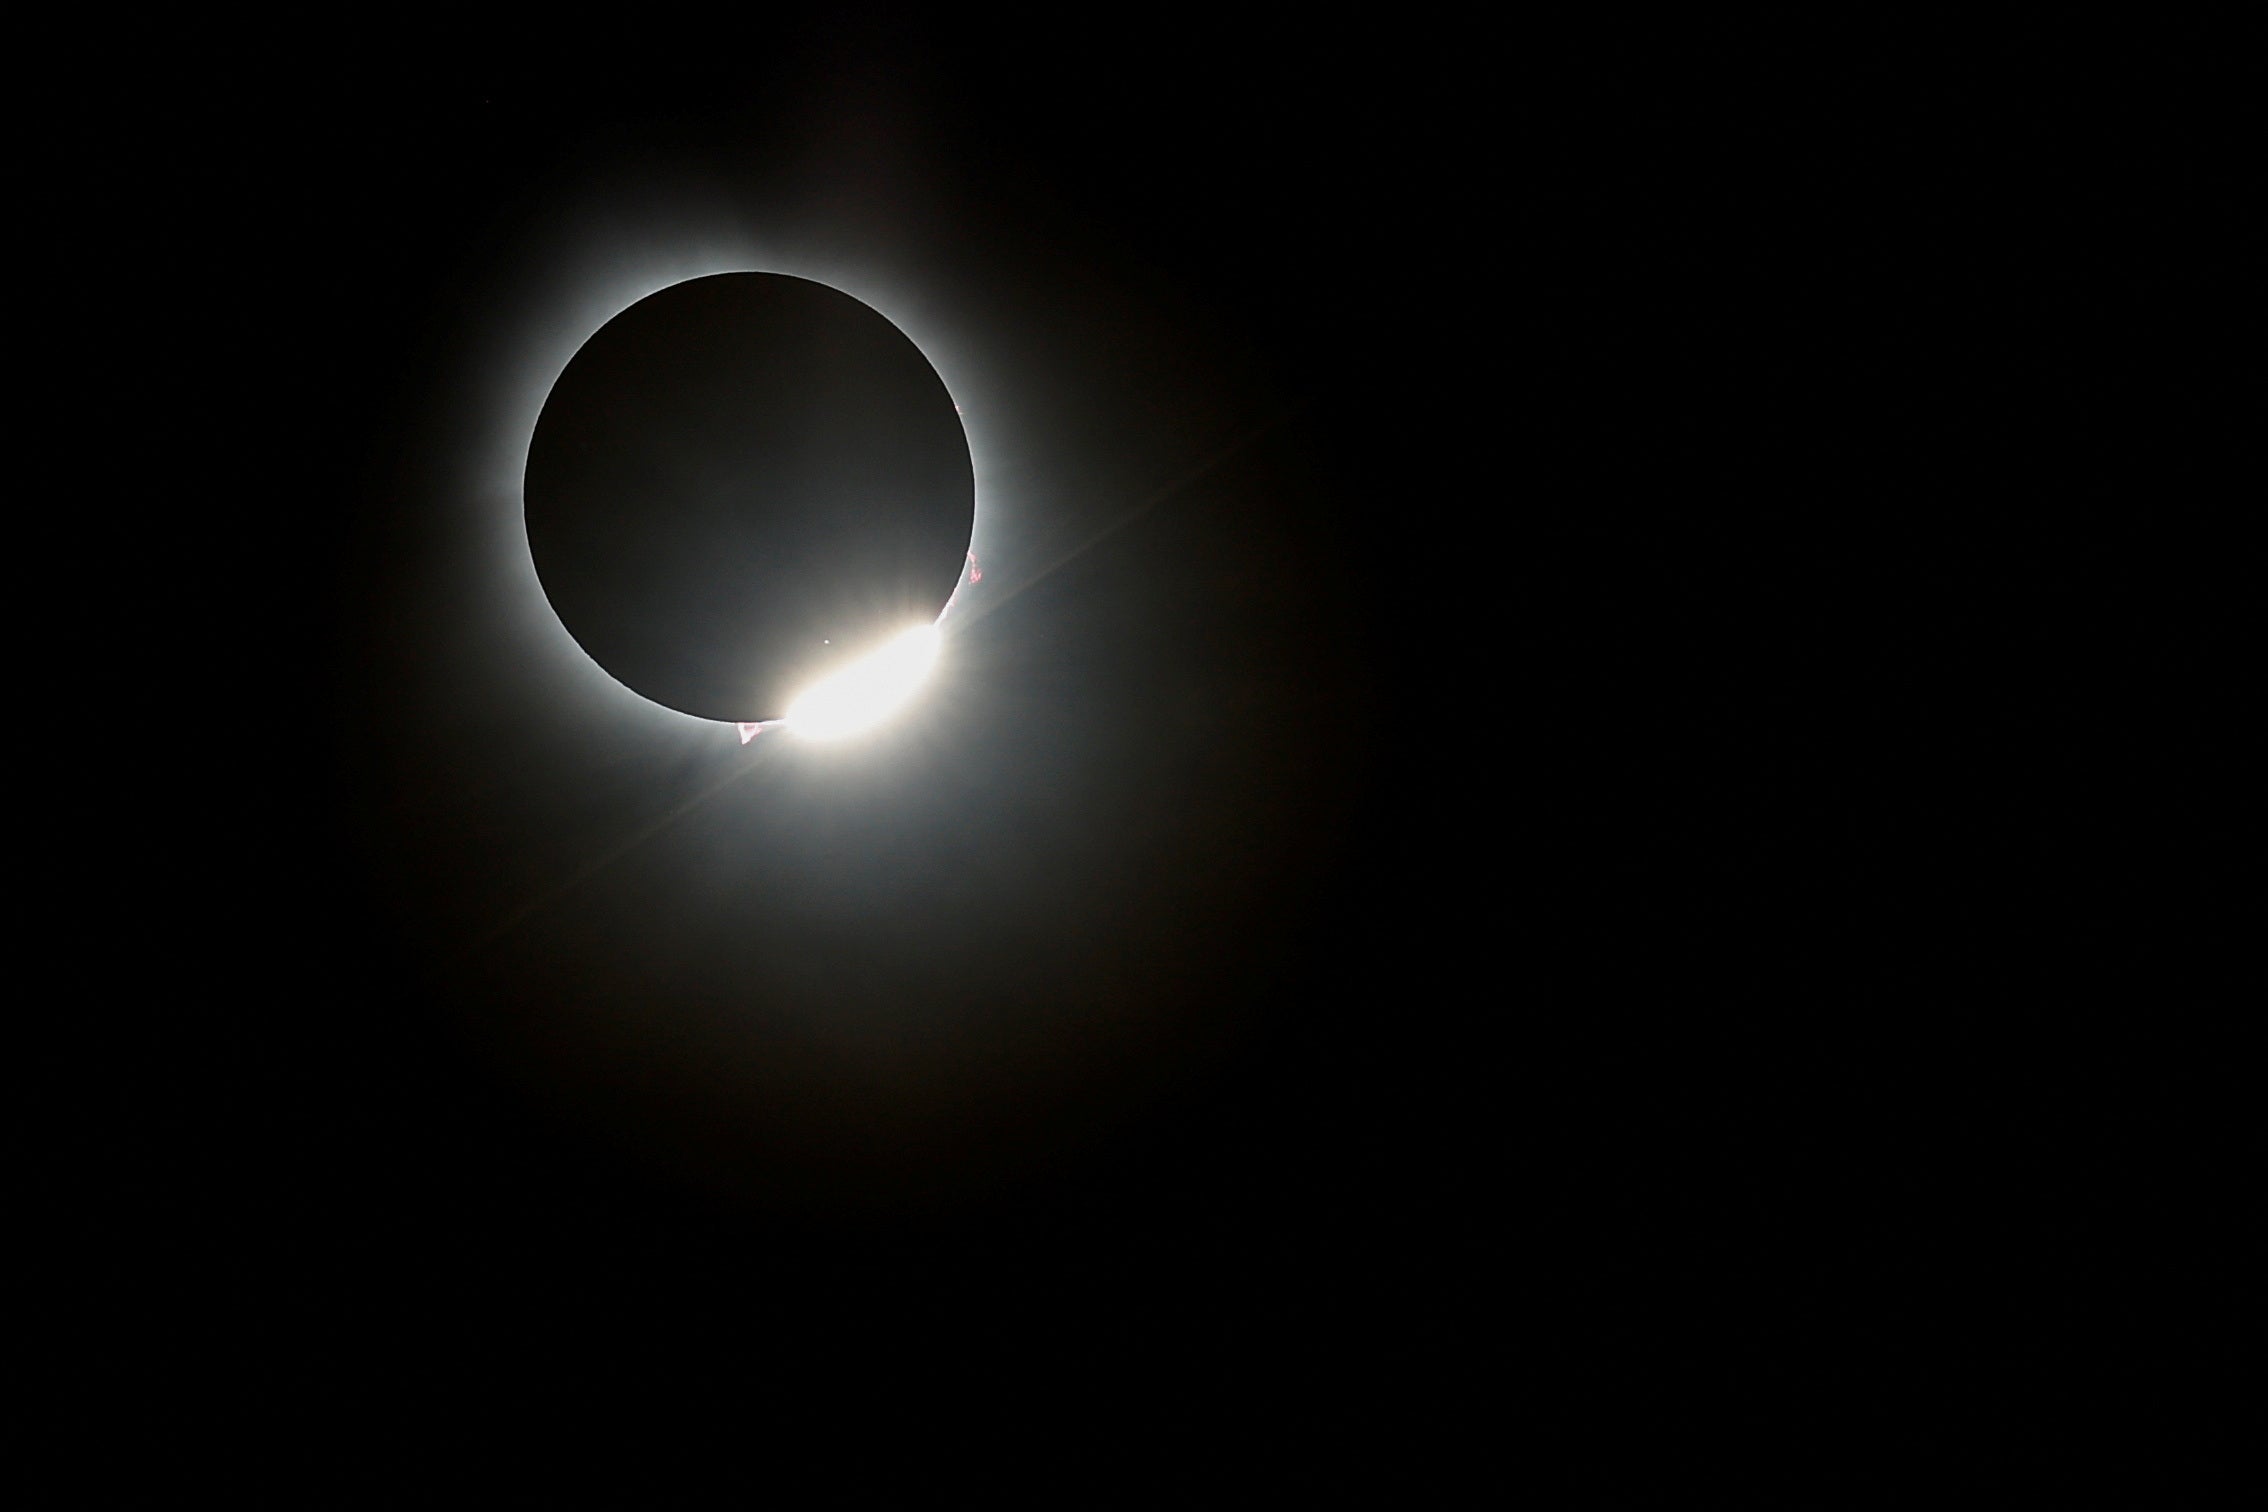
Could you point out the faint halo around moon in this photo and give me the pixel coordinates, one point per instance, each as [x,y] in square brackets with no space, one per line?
[740,481]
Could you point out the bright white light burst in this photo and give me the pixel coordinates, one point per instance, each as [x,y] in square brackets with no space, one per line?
[868,691]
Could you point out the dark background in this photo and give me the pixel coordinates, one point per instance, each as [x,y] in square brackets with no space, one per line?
[1690,928]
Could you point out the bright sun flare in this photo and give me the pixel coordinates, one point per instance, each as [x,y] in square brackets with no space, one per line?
[868,691]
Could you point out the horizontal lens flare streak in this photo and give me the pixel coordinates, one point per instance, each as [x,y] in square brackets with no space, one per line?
[868,691]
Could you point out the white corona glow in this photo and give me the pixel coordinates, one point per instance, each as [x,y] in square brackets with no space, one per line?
[868,691]
[591,254]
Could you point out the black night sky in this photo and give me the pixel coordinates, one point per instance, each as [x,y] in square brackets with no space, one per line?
[1585,833]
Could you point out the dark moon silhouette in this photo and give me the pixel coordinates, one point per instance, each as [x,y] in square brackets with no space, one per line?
[740,481]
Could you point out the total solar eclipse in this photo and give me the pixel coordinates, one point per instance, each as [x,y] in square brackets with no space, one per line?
[749,487]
